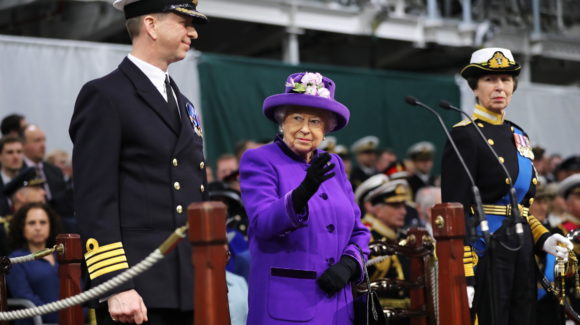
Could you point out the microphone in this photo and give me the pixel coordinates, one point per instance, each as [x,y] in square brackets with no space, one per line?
[512,192]
[476,194]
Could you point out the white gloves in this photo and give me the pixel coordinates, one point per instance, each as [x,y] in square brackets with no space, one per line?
[470,295]
[551,246]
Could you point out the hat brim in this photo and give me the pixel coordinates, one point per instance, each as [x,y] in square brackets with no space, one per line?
[476,70]
[197,16]
[275,101]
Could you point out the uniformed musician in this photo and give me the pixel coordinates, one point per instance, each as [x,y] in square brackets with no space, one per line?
[492,75]
[138,164]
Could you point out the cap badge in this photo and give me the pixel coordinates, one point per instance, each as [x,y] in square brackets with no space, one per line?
[400,189]
[498,61]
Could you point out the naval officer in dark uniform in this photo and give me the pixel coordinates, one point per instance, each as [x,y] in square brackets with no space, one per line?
[492,75]
[138,164]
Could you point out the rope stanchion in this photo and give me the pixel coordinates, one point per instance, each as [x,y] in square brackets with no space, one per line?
[165,248]
[59,248]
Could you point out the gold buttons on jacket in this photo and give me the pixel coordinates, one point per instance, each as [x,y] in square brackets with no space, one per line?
[202,188]
[480,125]
[177,186]
[507,181]
[201,165]
[179,209]
[174,162]
[531,201]
[501,160]
[490,141]
[512,128]
[535,181]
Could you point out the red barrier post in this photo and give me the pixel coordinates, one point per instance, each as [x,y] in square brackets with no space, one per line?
[449,231]
[69,273]
[207,234]
[418,295]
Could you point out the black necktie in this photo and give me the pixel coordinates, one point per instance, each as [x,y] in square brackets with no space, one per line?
[171,103]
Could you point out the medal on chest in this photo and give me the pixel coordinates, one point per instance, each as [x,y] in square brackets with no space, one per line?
[523,145]
[194,119]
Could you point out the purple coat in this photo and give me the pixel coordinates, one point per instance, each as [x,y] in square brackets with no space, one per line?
[290,251]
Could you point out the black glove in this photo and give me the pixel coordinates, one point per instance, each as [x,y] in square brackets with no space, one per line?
[337,276]
[316,174]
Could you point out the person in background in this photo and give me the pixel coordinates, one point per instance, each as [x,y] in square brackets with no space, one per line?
[57,195]
[26,187]
[421,154]
[13,125]
[33,228]
[492,75]
[427,198]
[385,218]
[365,151]
[385,158]
[138,164]
[398,170]
[567,167]
[540,163]
[62,160]
[226,164]
[244,145]
[553,161]
[11,159]
[306,236]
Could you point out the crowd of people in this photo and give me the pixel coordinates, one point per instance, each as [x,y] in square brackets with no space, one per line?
[393,194]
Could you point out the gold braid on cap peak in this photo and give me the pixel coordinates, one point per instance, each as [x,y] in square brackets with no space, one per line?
[104,259]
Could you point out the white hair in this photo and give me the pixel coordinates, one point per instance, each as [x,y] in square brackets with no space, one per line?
[426,198]
[329,119]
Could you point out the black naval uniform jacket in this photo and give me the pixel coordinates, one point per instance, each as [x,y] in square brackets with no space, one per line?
[486,170]
[135,175]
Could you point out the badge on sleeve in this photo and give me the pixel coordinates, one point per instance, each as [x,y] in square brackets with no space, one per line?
[523,145]
[194,119]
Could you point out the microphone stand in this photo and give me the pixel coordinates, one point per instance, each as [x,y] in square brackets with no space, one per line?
[477,197]
[512,192]
[476,194]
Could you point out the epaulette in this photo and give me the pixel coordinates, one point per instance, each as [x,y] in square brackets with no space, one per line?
[463,123]
[517,126]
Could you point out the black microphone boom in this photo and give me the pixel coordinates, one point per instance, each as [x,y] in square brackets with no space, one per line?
[515,211]
[477,196]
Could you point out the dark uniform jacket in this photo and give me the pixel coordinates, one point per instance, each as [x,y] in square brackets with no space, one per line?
[416,183]
[488,174]
[135,173]
[4,204]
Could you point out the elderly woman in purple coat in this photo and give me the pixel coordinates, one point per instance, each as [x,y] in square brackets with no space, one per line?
[304,223]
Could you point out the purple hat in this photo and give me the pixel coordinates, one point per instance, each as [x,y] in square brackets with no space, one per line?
[310,90]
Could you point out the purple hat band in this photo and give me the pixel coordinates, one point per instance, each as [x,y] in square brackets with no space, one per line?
[322,99]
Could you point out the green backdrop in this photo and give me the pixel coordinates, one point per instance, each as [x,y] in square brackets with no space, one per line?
[233,89]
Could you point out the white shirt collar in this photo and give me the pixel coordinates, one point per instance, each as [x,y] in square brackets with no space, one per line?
[5,178]
[30,163]
[155,75]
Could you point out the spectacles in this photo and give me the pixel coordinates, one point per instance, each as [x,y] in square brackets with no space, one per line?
[298,120]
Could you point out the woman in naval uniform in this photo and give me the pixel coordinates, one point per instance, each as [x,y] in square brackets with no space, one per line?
[508,294]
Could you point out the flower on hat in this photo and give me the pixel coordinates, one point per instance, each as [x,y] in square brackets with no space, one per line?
[310,84]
